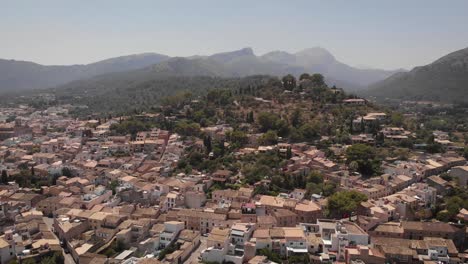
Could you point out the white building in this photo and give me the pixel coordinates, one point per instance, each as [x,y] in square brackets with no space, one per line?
[7,251]
[170,233]
[337,235]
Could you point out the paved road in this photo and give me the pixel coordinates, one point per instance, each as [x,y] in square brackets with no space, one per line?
[49,223]
[193,259]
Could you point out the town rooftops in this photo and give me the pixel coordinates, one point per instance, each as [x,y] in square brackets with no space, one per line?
[3,243]
[198,213]
[465,168]
[280,232]
[272,201]
[44,155]
[438,180]
[431,226]
[219,234]
[391,227]
[307,206]
[353,228]
[283,213]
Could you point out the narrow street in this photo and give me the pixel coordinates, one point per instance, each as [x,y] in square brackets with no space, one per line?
[49,223]
[193,259]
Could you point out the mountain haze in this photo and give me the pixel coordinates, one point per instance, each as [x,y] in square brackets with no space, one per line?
[322,61]
[21,75]
[444,80]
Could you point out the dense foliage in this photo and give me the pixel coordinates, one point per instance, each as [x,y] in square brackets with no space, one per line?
[362,158]
[344,203]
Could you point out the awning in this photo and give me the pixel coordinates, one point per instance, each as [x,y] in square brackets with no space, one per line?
[237,233]
[297,250]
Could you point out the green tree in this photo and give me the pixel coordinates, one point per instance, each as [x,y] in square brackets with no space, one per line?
[353,165]
[430,139]
[130,126]
[56,258]
[397,119]
[310,131]
[344,203]
[296,118]
[380,139]
[443,216]
[365,157]
[113,186]
[301,258]
[465,152]
[328,188]
[317,79]
[315,177]
[272,256]
[268,138]
[256,172]
[267,121]
[434,148]
[187,128]
[288,153]
[220,149]
[195,158]
[304,76]
[207,143]
[250,117]
[66,172]
[4,178]
[237,137]
[13,261]
[168,250]
[289,82]
[110,252]
[261,189]
[453,206]
[29,261]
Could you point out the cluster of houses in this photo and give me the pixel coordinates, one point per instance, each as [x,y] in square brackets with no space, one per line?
[109,199]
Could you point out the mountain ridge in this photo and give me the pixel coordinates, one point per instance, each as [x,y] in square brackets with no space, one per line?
[443,80]
[24,75]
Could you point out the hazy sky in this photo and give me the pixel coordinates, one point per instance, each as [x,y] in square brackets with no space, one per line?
[380,34]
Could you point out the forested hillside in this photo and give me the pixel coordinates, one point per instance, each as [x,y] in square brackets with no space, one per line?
[124,96]
[445,80]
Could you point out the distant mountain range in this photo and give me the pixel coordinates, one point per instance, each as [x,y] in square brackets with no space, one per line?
[22,75]
[444,80]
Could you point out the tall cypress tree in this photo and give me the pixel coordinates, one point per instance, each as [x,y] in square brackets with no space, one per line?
[207,143]
[288,153]
[4,178]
